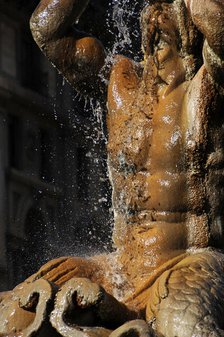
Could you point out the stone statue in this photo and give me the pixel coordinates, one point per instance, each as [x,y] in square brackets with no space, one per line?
[166,162]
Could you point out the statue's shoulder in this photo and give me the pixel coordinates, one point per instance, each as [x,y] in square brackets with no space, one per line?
[125,78]
[125,71]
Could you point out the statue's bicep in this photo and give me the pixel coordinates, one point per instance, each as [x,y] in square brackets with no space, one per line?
[78,60]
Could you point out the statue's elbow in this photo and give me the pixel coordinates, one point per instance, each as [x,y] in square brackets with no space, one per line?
[41,28]
[213,63]
[36,31]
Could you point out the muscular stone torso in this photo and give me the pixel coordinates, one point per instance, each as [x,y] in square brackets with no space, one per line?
[146,163]
[146,150]
[162,136]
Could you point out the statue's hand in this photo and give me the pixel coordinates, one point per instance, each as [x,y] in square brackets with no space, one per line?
[208,16]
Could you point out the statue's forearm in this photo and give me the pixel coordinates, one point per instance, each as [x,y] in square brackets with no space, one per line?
[77,56]
[208,16]
[52,18]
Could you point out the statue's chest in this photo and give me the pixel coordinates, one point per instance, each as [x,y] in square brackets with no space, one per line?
[129,122]
[142,131]
[144,119]
[129,135]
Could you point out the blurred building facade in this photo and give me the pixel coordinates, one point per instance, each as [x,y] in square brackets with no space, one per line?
[53,184]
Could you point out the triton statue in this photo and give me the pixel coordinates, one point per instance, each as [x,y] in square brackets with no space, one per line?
[166,163]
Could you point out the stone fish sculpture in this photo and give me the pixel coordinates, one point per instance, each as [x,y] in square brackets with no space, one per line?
[166,161]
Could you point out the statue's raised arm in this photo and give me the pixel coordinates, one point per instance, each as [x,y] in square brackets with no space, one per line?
[76,55]
[208,16]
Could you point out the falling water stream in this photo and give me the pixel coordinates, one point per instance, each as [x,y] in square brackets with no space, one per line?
[87,237]
[122,21]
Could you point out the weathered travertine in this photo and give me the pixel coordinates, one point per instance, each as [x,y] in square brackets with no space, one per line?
[166,163]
